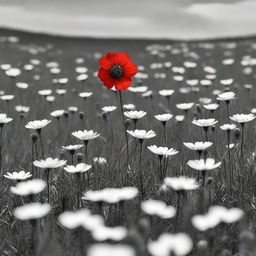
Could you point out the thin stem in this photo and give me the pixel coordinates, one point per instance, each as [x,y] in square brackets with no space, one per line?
[59,131]
[33,237]
[229,162]
[227,104]
[160,169]
[79,189]
[48,183]
[140,170]
[206,133]
[203,179]
[32,159]
[125,133]
[41,142]
[165,134]
[86,150]
[1,135]
[177,218]
[242,145]
[72,156]
[111,129]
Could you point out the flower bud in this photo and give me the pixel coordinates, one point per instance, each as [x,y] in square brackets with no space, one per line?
[202,245]
[127,123]
[236,135]
[66,114]
[34,138]
[209,181]
[198,108]
[79,157]
[81,115]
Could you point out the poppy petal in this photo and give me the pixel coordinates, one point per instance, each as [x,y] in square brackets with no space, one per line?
[121,58]
[105,63]
[122,83]
[103,74]
[111,56]
[106,78]
[130,69]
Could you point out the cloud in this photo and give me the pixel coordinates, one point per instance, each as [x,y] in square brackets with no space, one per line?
[176,19]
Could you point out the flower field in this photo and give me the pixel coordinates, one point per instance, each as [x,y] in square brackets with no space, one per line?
[150,152]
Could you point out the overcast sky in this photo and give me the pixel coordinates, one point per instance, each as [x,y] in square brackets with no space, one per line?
[176,19]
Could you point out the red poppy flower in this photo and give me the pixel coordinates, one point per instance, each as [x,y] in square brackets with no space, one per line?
[116,69]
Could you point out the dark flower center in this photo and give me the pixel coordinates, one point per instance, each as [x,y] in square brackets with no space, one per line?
[116,71]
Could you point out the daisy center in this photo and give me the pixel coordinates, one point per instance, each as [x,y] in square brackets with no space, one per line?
[116,71]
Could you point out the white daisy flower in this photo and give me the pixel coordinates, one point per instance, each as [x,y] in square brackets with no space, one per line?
[22,175]
[203,165]
[37,124]
[49,163]
[142,134]
[32,211]
[79,168]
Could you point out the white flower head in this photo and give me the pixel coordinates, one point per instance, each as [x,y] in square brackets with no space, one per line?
[22,175]
[164,117]
[158,208]
[111,195]
[103,233]
[135,114]
[81,218]
[79,168]
[180,244]
[162,151]
[72,147]
[72,109]
[138,89]
[203,164]
[57,113]
[226,96]
[108,109]
[100,160]
[50,98]
[142,134]
[85,94]
[49,163]
[22,85]
[32,211]
[147,94]
[22,109]
[129,106]
[185,106]
[242,118]
[45,92]
[166,93]
[4,119]
[228,127]
[82,77]
[13,72]
[111,250]
[227,81]
[181,183]
[37,124]
[198,146]
[179,118]
[204,122]
[216,215]
[211,107]
[61,91]
[7,97]
[85,135]
[30,187]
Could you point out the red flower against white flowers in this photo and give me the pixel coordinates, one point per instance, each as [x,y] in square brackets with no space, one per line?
[116,69]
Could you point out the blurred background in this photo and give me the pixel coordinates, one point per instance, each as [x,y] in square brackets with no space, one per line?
[167,19]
